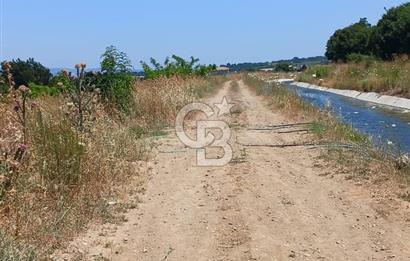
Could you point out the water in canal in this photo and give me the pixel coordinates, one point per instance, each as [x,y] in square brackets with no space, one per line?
[387,126]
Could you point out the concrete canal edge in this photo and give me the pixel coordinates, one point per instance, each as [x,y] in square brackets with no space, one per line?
[373,97]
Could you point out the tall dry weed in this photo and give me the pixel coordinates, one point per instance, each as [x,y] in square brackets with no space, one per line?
[386,77]
[68,177]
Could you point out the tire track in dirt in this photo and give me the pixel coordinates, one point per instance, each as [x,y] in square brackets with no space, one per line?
[233,232]
[267,204]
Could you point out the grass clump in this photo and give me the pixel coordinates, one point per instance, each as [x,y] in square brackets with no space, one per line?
[158,101]
[363,74]
[59,152]
[13,251]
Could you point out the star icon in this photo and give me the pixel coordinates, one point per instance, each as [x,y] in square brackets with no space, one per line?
[224,107]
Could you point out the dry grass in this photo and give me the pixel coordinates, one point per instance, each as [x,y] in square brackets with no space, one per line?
[360,158]
[235,85]
[66,177]
[325,126]
[11,251]
[390,78]
[158,101]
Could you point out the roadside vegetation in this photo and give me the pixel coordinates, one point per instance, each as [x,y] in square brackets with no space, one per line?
[385,40]
[366,75]
[349,150]
[176,66]
[368,58]
[70,143]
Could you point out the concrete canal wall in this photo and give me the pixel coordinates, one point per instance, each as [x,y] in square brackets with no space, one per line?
[364,96]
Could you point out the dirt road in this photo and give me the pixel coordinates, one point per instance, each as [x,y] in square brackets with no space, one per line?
[268,204]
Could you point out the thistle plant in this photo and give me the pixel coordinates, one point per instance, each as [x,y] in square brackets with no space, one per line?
[81,93]
[20,107]
[10,80]
[21,97]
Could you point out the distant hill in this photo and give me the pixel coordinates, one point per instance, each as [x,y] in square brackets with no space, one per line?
[263,65]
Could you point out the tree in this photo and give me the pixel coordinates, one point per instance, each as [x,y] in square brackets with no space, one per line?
[352,39]
[392,32]
[28,71]
[176,66]
[116,78]
[114,61]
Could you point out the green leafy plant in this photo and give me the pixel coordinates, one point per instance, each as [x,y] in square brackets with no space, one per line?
[43,90]
[284,67]
[116,79]
[176,67]
[63,81]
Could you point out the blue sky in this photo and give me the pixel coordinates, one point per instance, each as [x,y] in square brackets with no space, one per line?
[63,33]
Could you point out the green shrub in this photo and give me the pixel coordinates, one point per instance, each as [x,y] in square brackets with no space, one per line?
[176,67]
[317,71]
[361,58]
[62,80]
[116,80]
[284,67]
[117,89]
[41,90]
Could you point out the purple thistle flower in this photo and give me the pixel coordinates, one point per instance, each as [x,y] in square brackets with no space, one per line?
[23,89]
[23,147]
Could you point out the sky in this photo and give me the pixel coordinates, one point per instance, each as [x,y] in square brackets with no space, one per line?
[63,33]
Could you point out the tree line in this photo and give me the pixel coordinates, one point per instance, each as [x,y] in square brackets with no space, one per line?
[279,65]
[114,80]
[387,39]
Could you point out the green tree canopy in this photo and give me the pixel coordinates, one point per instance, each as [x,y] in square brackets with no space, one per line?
[28,71]
[392,33]
[116,79]
[114,61]
[176,66]
[352,39]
